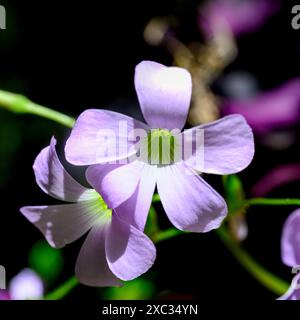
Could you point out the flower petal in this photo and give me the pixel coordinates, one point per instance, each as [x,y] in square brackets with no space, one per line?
[164,94]
[115,183]
[101,136]
[54,180]
[228,146]
[129,251]
[135,210]
[277,177]
[91,266]
[190,203]
[293,292]
[290,240]
[63,224]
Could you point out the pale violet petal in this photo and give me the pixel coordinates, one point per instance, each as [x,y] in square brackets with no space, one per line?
[54,180]
[129,251]
[91,267]
[290,240]
[135,210]
[102,136]
[63,224]
[190,203]
[115,183]
[228,146]
[164,94]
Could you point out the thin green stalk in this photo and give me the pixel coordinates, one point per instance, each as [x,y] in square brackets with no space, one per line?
[20,104]
[271,202]
[266,278]
[166,234]
[70,284]
[62,290]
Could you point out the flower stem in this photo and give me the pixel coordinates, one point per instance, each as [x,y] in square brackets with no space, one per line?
[266,278]
[20,104]
[271,202]
[62,290]
[166,234]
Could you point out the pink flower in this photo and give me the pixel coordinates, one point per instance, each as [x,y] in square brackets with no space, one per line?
[240,16]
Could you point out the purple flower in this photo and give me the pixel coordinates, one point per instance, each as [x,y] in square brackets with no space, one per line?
[270,110]
[276,178]
[26,285]
[4,295]
[240,16]
[113,249]
[290,253]
[164,95]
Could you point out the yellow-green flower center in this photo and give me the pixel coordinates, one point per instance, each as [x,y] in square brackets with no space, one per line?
[160,147]
[104,212]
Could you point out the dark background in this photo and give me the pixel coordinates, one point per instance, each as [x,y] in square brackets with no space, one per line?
[72,57]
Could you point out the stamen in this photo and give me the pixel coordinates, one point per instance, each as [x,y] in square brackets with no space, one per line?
[160,147]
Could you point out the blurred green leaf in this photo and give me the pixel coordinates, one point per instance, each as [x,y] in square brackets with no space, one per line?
[45,260]
[138,289]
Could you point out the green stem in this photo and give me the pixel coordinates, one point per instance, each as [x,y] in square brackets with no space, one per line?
[20,104]
[271,202]
[266,278]
[70,284]
[166,234]
[62,290]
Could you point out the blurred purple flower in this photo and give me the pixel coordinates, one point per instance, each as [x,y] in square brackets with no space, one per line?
[277,177]
[190,203]
[240,16]
[113,249]
[4,295]
[270,110]
[290,253]
[26,285]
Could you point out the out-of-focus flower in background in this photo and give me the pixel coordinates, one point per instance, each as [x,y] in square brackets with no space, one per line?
[290,253]
[27,285]
[240,16]
[276,178]
[4,295]
[238,85]
[269,112]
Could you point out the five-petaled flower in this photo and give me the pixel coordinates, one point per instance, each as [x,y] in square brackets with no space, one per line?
[114,249]
[190,203]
